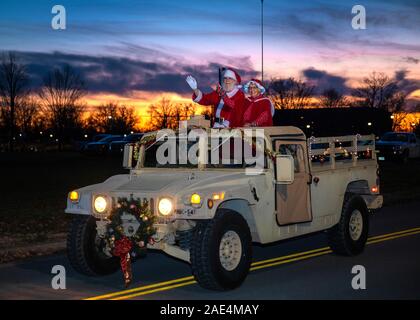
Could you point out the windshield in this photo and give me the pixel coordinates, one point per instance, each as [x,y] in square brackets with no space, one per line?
[399,137]
[225,153]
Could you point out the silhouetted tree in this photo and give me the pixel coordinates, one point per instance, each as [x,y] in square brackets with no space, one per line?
[113,118]
[13,81]
[377,91]
[290,93]
[60,94]
[331,98]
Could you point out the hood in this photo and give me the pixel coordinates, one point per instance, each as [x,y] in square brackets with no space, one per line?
[169,181]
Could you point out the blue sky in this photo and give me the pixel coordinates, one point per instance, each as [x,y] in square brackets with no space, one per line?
[163,40]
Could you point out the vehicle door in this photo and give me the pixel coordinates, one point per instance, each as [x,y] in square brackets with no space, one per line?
[293,201]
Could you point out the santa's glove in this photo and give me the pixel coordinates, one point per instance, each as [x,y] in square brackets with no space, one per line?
[218,125]
[192,82]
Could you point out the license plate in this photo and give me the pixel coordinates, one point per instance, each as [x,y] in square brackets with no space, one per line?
[381,158]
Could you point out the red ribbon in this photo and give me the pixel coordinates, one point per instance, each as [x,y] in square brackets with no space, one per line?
[122,249]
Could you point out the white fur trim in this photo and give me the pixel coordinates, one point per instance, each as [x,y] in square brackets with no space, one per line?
[218,125]
[260,87]
[219,108]
[230,74]
[230,94]
[199,96]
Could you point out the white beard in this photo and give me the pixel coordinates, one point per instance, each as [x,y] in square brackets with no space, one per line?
[228,88]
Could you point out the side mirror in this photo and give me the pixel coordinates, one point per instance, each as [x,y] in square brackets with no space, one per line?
[128,156]
[285,169]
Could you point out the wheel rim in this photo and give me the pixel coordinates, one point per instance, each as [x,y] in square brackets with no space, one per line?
[230,250]
[356,225]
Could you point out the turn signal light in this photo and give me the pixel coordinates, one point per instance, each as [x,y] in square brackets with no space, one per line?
[374,189]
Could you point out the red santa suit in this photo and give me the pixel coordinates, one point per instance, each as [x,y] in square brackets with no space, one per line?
[228,108]
[259,111]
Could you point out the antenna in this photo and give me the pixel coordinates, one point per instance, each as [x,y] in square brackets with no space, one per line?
[262,40]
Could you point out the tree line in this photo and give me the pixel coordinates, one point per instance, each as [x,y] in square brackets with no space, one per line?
[56,110]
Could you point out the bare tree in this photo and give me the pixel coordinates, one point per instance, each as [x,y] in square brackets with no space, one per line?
[161,114]
[167,113]
[290,93]
[376,91]
[331,98]
[27,112]
[13,80]
[61,93]
[113,118]
[183,111]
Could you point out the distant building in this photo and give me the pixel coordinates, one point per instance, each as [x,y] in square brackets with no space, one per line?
[322,122]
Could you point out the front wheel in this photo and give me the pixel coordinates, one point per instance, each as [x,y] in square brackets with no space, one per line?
[84,249]
[349,236]
[221,251]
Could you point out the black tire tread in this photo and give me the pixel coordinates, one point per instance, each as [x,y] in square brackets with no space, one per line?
[75,245]
[337,235]
[199,253]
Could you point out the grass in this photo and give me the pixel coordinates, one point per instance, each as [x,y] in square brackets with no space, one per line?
[34,188]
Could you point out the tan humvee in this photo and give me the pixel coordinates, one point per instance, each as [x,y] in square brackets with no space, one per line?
[306,185]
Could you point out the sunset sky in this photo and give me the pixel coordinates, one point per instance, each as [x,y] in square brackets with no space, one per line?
[135,51]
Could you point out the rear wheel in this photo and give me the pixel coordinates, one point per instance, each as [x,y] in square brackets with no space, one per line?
[221,251]
[84,249]
[349,236]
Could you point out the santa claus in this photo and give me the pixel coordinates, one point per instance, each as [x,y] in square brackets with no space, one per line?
[259,110]
[228,100]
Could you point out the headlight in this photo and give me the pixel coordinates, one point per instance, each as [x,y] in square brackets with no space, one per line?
[195,198]
[74,196]
[165,206]
[100,204]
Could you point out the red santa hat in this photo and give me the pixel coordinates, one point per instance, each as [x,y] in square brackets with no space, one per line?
[230,73]
[258,83]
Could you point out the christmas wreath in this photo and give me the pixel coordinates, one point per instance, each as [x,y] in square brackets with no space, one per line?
[130,229]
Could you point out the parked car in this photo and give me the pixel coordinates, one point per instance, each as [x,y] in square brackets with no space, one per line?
[117,147]
[101,146]
[398,146]
[81,145]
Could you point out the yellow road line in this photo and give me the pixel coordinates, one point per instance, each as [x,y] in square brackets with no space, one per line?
[291,260]
[159,284]
[180,282]
[394,237]
[394,233]
[289,256]
[155,290]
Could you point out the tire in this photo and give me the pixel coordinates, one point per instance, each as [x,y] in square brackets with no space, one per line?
[341,239]
[216,271]
[82,250]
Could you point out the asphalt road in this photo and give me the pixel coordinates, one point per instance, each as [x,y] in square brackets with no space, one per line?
[299,270]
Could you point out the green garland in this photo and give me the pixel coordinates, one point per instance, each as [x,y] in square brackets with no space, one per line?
[143,216]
